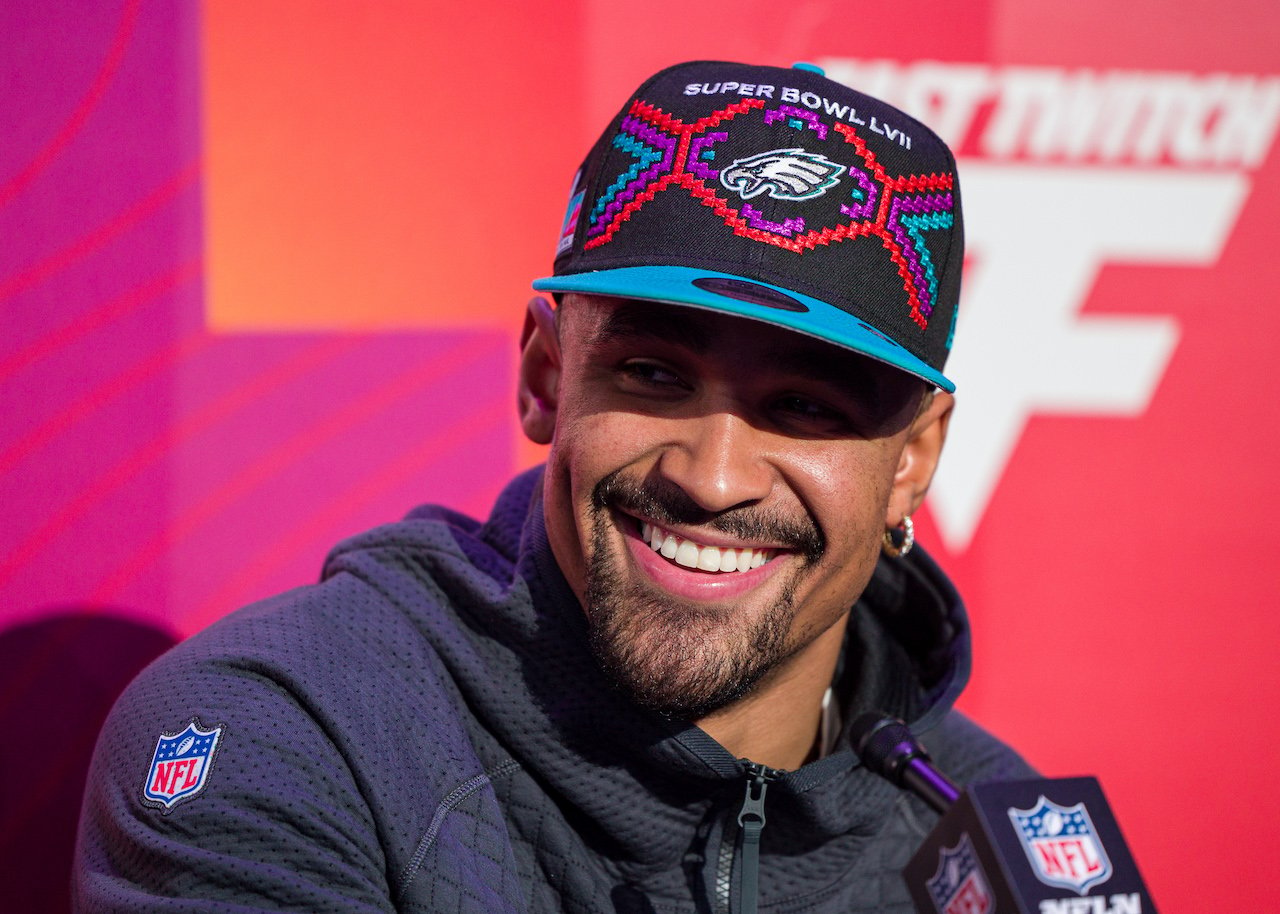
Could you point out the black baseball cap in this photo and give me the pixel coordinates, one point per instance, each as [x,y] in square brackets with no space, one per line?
[777,194]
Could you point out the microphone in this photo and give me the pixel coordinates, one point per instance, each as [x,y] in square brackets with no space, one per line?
[1035,846]
[886,746]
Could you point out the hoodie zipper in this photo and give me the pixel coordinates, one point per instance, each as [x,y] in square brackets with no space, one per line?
[751,822]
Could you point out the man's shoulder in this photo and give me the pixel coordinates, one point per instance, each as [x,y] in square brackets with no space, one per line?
[313,726]
[291,635]
[324,729]
[367,635]
[967,752]
[332,663]
[444,552]
[365,642]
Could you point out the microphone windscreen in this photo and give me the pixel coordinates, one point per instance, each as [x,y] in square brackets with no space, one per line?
[885,744]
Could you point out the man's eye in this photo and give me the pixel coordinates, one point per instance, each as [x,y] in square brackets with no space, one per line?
[800,406]
[812,413]
[651,374]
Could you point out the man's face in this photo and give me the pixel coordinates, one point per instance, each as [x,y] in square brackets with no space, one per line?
[716,491]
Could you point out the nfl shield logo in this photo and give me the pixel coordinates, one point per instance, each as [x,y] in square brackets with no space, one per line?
[180,766]
[959,886]
[1062,845]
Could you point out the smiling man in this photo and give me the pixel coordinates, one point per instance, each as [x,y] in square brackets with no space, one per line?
[598,698]
[716,496]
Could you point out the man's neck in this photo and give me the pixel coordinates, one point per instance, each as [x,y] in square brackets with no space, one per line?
[778,724]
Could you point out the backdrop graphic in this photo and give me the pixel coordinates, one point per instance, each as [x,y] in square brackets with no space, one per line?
[263,269]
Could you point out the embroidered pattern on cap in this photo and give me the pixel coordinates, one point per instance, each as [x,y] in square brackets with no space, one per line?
[661,152]
[180,766]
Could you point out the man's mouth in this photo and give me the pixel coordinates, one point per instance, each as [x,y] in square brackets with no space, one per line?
[691,554]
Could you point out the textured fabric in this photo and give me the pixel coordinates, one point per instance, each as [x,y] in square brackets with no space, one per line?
[425,730]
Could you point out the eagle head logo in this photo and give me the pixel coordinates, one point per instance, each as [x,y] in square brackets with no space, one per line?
[784,174]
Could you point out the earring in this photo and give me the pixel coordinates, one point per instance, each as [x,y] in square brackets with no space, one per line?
[892,547]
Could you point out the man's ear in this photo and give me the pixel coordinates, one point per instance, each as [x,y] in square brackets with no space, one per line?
[919,458]
[539,389]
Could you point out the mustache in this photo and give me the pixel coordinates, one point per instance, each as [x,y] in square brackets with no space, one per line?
[665,502]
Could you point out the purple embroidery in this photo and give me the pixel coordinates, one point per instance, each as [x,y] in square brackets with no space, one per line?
[813,123]
[695,165]
[924,205]
[756,220]
[645,133]
[866,209]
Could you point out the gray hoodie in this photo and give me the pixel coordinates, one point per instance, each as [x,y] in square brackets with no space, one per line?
[426,730]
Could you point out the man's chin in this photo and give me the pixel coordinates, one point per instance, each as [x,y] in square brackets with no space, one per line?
[677,694]
[679,656]
[680,660]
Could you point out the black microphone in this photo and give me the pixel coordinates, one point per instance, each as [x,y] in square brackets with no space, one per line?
[1035,846]
[887,747]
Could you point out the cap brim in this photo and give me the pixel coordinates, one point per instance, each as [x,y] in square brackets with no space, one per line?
[785,308]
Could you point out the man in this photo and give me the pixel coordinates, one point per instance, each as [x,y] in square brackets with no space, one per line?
[627,690]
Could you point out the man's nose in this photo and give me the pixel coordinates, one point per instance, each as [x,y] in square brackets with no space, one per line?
[719,462]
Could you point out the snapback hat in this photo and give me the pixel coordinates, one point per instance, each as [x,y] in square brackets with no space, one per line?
[775,194]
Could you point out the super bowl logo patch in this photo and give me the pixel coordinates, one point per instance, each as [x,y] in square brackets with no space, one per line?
[180,766]
[1062,844]
[959,886]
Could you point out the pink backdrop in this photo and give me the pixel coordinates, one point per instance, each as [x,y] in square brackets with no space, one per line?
[264,264]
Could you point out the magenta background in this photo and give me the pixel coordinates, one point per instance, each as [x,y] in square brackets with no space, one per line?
[145,459]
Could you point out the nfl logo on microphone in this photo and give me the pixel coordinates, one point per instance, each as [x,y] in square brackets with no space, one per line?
[959,886]
[180,766]
[1062,845]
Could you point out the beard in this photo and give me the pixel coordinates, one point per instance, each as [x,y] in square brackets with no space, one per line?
[681,659]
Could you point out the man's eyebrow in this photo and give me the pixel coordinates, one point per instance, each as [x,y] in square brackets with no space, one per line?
[646,320]
[814,362]
[824,362]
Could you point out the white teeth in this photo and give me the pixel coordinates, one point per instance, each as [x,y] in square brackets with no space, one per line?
[709,558]
[704,558]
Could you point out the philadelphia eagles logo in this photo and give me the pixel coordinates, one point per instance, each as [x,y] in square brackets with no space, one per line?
[785,174]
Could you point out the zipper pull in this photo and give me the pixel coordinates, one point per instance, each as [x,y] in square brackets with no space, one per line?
[751,820]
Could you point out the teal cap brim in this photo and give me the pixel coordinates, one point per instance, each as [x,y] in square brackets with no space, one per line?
[792,310]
